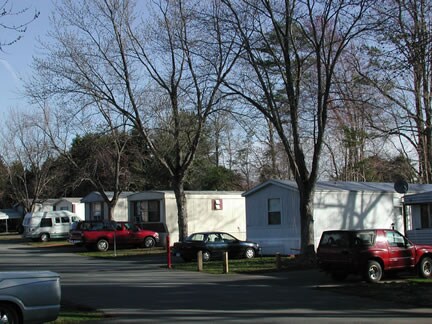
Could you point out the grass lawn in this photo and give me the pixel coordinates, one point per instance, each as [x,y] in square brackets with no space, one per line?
[256,265]
[119,253]
[77,314]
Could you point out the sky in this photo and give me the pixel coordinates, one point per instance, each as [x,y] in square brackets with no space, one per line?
[16,59]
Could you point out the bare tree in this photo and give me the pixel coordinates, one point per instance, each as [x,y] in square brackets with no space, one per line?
[350,139]
[28,158]
[292,51]
[8,23]
[99,151]
[400,68]
[101,53]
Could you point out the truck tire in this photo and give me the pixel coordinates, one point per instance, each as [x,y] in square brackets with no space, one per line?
[9,314]
[102,245]
[373,271]
[149,242]
[425,268]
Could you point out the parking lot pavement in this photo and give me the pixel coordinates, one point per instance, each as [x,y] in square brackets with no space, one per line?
[142,290]
[161,295]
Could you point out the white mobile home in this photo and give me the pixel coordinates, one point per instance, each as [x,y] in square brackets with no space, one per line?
[273,213]
[207,211]
[72,204]
[418,208]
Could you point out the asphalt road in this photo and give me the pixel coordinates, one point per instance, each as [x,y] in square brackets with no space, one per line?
[142,290]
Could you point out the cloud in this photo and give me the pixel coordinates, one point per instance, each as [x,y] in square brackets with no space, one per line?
[10,69]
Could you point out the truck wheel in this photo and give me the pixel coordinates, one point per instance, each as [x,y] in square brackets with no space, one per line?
[102,245]
[425,268]
[44,237]
[149,242]
[8,314]
[374,271]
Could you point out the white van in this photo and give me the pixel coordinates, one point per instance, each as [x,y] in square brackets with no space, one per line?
[48,225]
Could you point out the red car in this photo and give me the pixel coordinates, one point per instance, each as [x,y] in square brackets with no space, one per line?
[102,235]
[371,253]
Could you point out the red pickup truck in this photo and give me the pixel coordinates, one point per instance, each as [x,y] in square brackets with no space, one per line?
[371,253]
[103,234]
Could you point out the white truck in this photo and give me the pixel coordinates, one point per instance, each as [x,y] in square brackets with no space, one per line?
[44,226]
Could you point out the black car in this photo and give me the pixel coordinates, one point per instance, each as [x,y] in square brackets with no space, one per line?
[212,245]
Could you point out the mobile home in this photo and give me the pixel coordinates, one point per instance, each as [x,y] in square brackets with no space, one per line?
[273,211]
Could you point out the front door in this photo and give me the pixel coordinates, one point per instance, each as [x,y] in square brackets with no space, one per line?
[216,244]
[401,251]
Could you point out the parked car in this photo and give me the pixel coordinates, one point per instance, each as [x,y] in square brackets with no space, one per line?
[103,234]
[44,226]
[158,227]
[371,253]
[212,245]
[29,296]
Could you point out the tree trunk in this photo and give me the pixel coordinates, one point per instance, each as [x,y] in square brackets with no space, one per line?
[307,223]
[178,187]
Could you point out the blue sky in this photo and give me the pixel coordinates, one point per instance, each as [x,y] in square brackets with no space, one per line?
[16,59]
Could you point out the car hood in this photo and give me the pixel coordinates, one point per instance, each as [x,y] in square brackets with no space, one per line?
[423,247]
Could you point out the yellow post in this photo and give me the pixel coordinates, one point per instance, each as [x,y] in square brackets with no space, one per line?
[200,261]
[225,262]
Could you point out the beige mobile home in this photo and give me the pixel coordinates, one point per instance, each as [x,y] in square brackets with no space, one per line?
[207,211]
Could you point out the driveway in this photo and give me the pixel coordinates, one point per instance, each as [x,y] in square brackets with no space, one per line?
[141,290]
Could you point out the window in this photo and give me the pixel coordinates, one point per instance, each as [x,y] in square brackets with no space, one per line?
[46,222]
[335,239]
[147,211]
[274,214]
[395,239]
[424,216]
[57,220]
[228,238]
[364,238]
[65,219]
[196,237]
[96,212]
[153,211]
